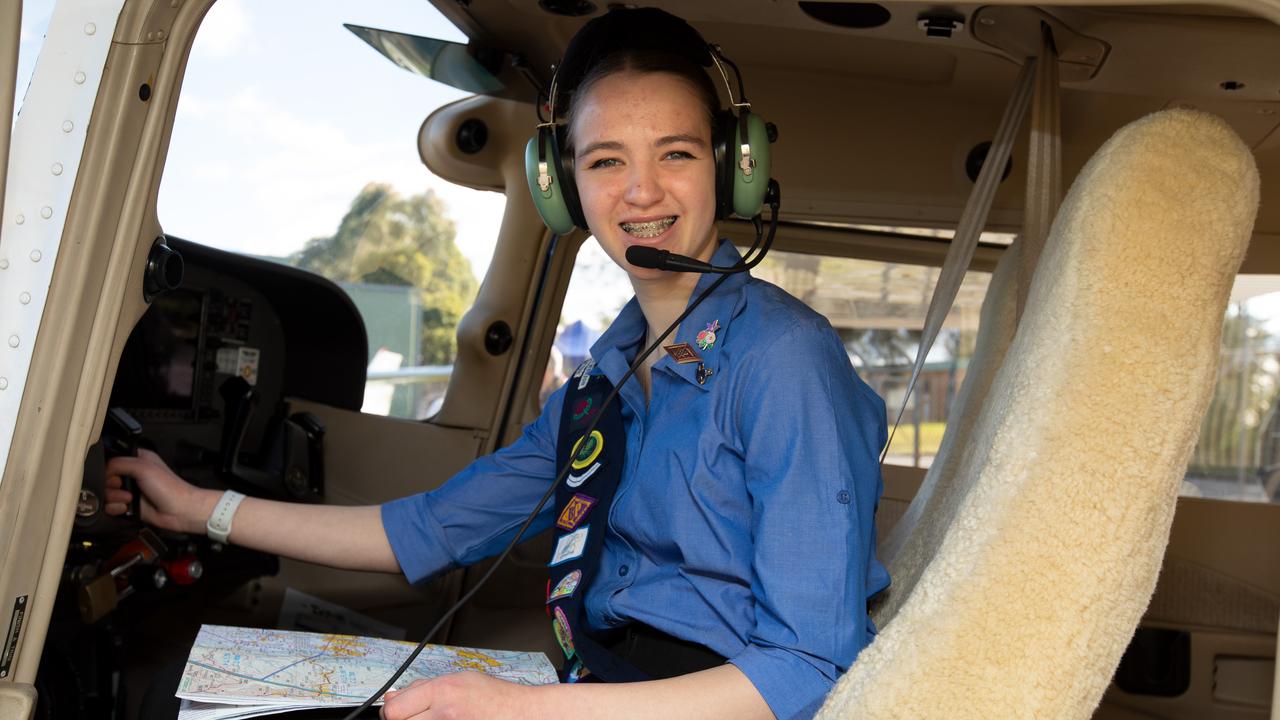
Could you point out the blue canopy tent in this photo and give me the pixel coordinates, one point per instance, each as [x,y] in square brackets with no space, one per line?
[574,343]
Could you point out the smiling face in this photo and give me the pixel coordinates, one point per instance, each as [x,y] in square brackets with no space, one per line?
[644,167]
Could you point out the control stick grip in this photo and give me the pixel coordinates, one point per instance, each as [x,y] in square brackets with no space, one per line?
[121,436]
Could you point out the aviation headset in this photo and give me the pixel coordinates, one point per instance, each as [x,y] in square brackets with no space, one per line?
[739,140]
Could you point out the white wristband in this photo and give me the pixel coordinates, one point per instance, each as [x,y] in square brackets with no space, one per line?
[219,525]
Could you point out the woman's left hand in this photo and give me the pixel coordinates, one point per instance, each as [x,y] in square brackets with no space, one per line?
[460,696]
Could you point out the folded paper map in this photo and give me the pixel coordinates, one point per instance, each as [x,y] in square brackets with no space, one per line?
[235,672]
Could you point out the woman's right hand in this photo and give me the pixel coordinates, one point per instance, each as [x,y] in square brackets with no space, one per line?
[344,536]
[168,501]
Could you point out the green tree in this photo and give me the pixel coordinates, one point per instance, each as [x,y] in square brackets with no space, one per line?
[392,240]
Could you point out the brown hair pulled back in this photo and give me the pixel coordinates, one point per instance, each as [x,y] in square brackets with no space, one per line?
[643,62]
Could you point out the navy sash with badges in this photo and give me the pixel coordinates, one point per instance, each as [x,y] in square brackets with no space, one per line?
[583,500]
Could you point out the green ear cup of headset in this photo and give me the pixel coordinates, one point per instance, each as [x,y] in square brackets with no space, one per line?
[749,189]
[549,198]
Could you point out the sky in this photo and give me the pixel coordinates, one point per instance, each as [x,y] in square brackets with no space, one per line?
[285,115]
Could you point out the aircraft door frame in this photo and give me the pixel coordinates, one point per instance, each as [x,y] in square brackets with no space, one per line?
[46,145]
[21,698]
[46,148]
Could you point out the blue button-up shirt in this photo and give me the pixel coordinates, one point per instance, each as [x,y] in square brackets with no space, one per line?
[745,517]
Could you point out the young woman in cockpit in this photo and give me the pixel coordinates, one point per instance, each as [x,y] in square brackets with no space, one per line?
[715,532]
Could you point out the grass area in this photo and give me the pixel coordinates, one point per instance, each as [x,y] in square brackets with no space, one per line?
[930,438]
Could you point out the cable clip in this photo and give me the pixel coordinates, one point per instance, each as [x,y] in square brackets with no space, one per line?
[544,178]
[748,163]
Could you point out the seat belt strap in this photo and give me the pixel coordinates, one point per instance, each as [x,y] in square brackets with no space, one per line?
[972,220]
[1044,166]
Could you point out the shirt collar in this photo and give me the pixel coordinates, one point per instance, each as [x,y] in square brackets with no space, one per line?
[616,348]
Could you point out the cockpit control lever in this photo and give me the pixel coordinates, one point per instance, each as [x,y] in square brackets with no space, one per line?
[239,400]
[121,435]
[290,464]
[99,596]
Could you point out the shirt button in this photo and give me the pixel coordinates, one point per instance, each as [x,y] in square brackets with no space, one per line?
[843,497]
[623,570]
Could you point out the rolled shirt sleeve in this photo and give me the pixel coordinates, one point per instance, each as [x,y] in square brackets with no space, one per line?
[811,435]
[476,513]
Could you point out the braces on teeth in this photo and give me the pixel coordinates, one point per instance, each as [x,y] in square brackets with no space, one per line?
[652,228]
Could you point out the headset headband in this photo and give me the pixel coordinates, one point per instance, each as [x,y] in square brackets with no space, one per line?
[643,29]
[739,138]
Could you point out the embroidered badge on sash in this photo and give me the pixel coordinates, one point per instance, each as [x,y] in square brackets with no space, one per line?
[570,547]
[707,338]
[682,353]
[563,635]
[574,481]
[577,672]
[584,368]
[586,450]
[584,408]
[575,511]
[565,587]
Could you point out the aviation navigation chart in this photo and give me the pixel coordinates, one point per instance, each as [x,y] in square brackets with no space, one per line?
[236,672]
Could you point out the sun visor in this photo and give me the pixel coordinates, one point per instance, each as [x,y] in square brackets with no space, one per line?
[464,67]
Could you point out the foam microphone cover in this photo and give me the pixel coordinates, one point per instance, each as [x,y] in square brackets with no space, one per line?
[643,256]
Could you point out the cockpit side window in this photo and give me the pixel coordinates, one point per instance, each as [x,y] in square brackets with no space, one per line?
[877,308]
[31,32]
[294,141]
[598,289]
[1237,456]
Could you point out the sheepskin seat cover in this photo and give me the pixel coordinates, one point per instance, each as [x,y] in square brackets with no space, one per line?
[1044,555]
[916,535]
